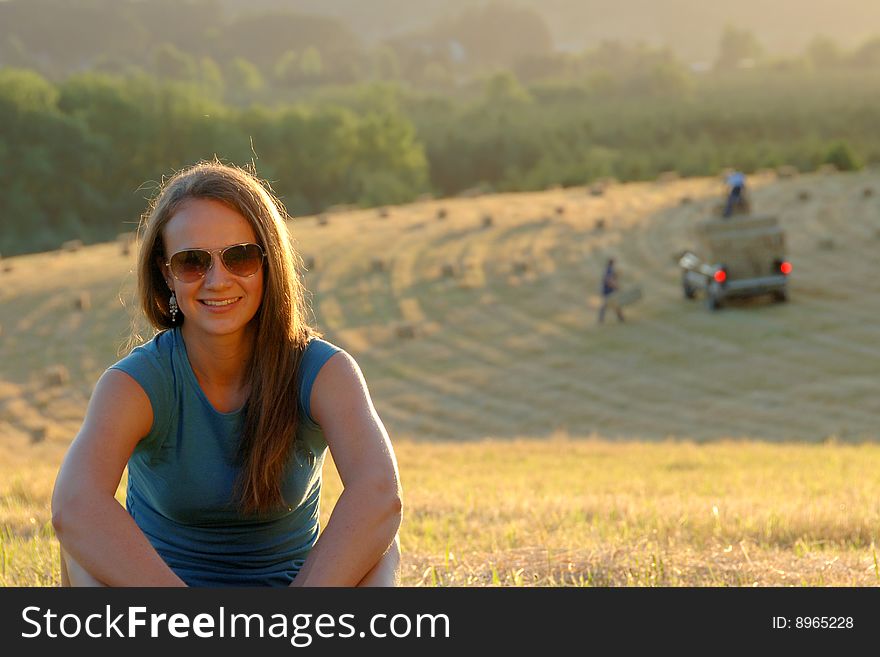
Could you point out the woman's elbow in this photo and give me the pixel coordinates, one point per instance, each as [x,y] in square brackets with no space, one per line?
[389,499]
[67,506]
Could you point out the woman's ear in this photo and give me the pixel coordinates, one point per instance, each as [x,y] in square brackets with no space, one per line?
[163,270]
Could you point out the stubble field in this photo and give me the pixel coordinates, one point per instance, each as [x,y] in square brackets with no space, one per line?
[536,447]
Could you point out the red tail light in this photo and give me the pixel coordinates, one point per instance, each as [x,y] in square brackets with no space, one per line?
[785,268]
[720,276]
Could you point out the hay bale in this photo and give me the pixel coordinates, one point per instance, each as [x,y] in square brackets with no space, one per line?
[384,213]
[827,169]
[560,210]
[804,195]
[377,265]
[787,171]
[596,189]
[125,242]
[668,177]
[72,246]
[406,331]
[686,200]
[868,192]
[441,213]
[448,270]
[39,434]
[825,244]
[487,220]
[83,301]
[520,266]
[322,220]
[7,267]
[599,225]
[57,375]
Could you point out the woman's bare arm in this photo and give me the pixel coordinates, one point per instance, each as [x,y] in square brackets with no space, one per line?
[367,516]
[91,525]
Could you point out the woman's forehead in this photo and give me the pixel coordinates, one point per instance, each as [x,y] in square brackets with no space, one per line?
[205,223]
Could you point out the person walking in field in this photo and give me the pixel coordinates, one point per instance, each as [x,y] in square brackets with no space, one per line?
[224,418]
[736,183]
[608,288]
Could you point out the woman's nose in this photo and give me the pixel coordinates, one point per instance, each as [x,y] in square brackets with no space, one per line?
[216,276]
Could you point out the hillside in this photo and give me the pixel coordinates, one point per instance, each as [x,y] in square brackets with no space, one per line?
[507,345]
[690,27]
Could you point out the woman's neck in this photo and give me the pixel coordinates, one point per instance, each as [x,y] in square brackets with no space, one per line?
[220,360]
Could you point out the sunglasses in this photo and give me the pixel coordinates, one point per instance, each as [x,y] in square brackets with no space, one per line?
[191,265]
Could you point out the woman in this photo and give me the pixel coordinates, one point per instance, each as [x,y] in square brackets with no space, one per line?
[224,418]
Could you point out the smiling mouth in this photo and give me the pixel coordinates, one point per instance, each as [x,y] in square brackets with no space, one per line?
[218,303]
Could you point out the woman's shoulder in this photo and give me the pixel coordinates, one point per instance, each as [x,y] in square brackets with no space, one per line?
[317,352]
[151,366]
[155,351]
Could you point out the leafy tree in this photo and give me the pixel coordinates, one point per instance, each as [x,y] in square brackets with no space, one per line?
[174,64]
[737,47]
[842,156]
[311,63]
[244,80]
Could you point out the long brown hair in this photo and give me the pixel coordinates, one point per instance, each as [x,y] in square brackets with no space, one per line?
[281,327]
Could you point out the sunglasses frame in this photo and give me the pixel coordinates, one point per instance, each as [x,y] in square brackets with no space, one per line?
[211,252]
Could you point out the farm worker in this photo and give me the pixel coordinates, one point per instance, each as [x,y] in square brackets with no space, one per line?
[609,286]
[736,181]
[224,418]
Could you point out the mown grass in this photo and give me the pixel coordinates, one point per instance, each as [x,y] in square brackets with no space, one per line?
[578,512]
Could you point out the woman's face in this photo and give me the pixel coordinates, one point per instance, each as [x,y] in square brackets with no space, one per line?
[220,303]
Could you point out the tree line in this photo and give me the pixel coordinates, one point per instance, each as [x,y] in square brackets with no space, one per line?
[79,158]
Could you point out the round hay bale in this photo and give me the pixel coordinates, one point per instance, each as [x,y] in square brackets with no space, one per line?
[39,434]
[599,225]
[83,301]
[7,267]
[125,242]
[441,213]
[827,169]
[72,246]
[560,210]
[322,220]
[384,213]
[668,176]
[57,375]
[406,331]
[826,244]
[804,195]
[487,220]
[377,265]
[686,200]
[786,171]
[868,192]
[448,270]
[520,266]
[596,189]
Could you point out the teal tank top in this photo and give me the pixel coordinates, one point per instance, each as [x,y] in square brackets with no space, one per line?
[181,476]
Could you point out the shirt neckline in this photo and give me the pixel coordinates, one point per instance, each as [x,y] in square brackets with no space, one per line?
[194,382]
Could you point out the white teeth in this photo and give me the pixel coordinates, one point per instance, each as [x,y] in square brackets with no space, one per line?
[219,303]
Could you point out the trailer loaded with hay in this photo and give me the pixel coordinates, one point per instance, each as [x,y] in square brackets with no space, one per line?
[737,257]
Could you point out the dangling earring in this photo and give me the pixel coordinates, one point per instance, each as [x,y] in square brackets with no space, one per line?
[172,307]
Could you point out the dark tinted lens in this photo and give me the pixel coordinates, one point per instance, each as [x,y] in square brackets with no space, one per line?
[191,265]
[243,259]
